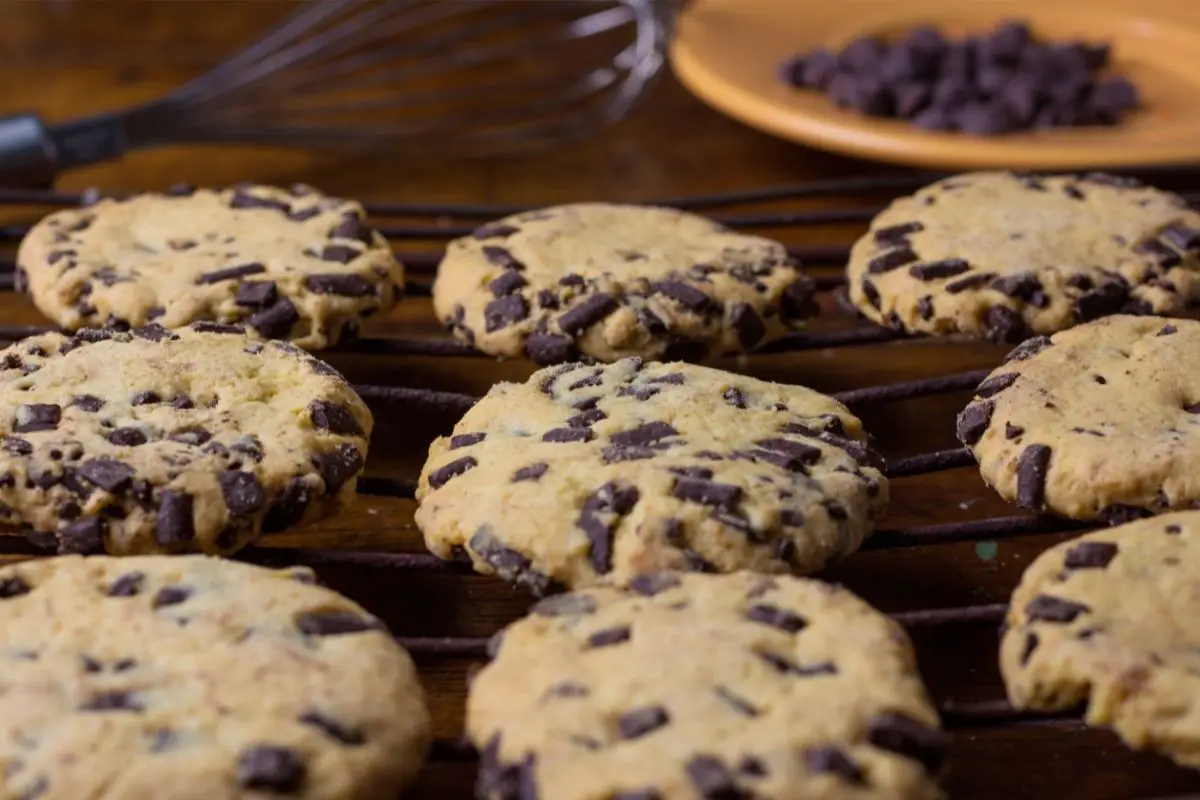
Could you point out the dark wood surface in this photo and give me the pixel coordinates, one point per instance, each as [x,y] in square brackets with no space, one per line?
[65,59]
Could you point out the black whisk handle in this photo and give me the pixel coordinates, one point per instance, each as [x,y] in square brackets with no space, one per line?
[32,153]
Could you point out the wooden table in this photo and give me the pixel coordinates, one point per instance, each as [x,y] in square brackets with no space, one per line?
[65,59]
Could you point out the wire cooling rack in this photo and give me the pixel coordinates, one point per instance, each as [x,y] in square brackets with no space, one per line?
[425,222]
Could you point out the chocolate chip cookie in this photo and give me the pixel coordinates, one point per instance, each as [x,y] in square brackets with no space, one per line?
[292,264]
[1100,422]
[586,473]
[610,281]
[1112,619]
[1005,255]
[704,686]
[194,678]
[157,441]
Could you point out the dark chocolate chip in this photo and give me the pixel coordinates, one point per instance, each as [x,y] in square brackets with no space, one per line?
[748,325]
[1004,325]
[712,780]
[1031,643]
[833,760]
[466,440]
[710,493]
[1181,236]
[171,596]
[112,701]
[505,311]
[645,434]
[1158,253]
[973,422]
[532,472]
[905,736]
[995,384]
[495,231]
[890,260]
[564,435]
[338,284]
[1090,555]
[1048,608]
[203,326]
[1028,349]
[289,508]
[642,721]
[686,295]
[1012,431]
[565,605]
[1032,466]
[37,417]
[588,313]
[871,293]
[107,473]
[175,524]
[735,397]
[256,294]
[272,769]
[897,234]
[16,446]
[796,302]
[738,704]
[586,418]
[338,466]
[230,273]
[13,587]
[609,637]
[127,437]
[145,398]
[335,730]
[653,583]
[508,563]
[85,536]
[973,281]
[242,492]
[776,617]
[545,349]
[332,622]
[936,270]
[275,322]
[353,226]
[508,282]
[802,453]
[333,417]
[1106,299]
[501,257]
[127,585]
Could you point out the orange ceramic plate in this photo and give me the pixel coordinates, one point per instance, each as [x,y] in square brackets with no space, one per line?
[728,53]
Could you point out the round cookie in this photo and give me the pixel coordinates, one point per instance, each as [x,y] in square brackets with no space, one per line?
[1100,422]
[589,473]
[291,263]
[1005,255]
[156,441]
[194,678]
[704,686]
[1113,619]
[611,281]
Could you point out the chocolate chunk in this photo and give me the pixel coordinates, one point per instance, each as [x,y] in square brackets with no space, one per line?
[353,226]
[338,284]
[504,311]
[1090,555]
[333,417]
[331,622]
[85,536]
[275,322]
[833,760]
[442,475]
[615,454]
[586,314]
[645,434]
[175,524]
[564,435]
[13,587]
[256,294]
[508,282]
[127,585]
[894,235]
[243,199]
[545,349]
[973,422]
[781,618]
[1028,349]
[290,506]
[709,493]
[1031,643]
[204,326]
[1181,236]
[171,596]
[995,384]
[495,231]
[735,397]
[1003,324]
[1032,465]
[37,417]
[1012,431]
[272,769]
[107,473]
[466,440]
[127,437]
[890,260]
[609,637]
[145,398]
[112,701]
[641,393]
[339,254]
[229,273]
[500,257]
[640,722]
[182,402]
[1048,608]
[796,302]
[935,270]
[803,453]
[338,466]
[653,583]
[532,472]
[1106,299]
[242,492]
[748,324]
[335,730]
[905,736]
[508,563]
[565,605]
[871,293]
[712,780]
[685,294]
[969,282]
[586,418]
[16,446]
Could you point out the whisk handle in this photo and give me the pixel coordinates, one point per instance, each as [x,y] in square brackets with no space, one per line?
[32,153]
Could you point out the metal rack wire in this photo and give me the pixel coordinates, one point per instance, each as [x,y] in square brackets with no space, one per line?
[430,223]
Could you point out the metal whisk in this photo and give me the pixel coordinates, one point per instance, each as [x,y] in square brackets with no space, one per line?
[451,77]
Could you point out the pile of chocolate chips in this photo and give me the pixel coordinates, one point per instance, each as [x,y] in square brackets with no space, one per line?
[999,82]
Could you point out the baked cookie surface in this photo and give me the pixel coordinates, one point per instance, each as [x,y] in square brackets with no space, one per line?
[292,264]
[694,686]
[1100,422]
[586,473]
[194,678]
[1005,256]
[156,441]
[1113,619]
[610,281]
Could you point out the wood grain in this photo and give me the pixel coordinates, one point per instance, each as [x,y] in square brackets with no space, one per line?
[66,59]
